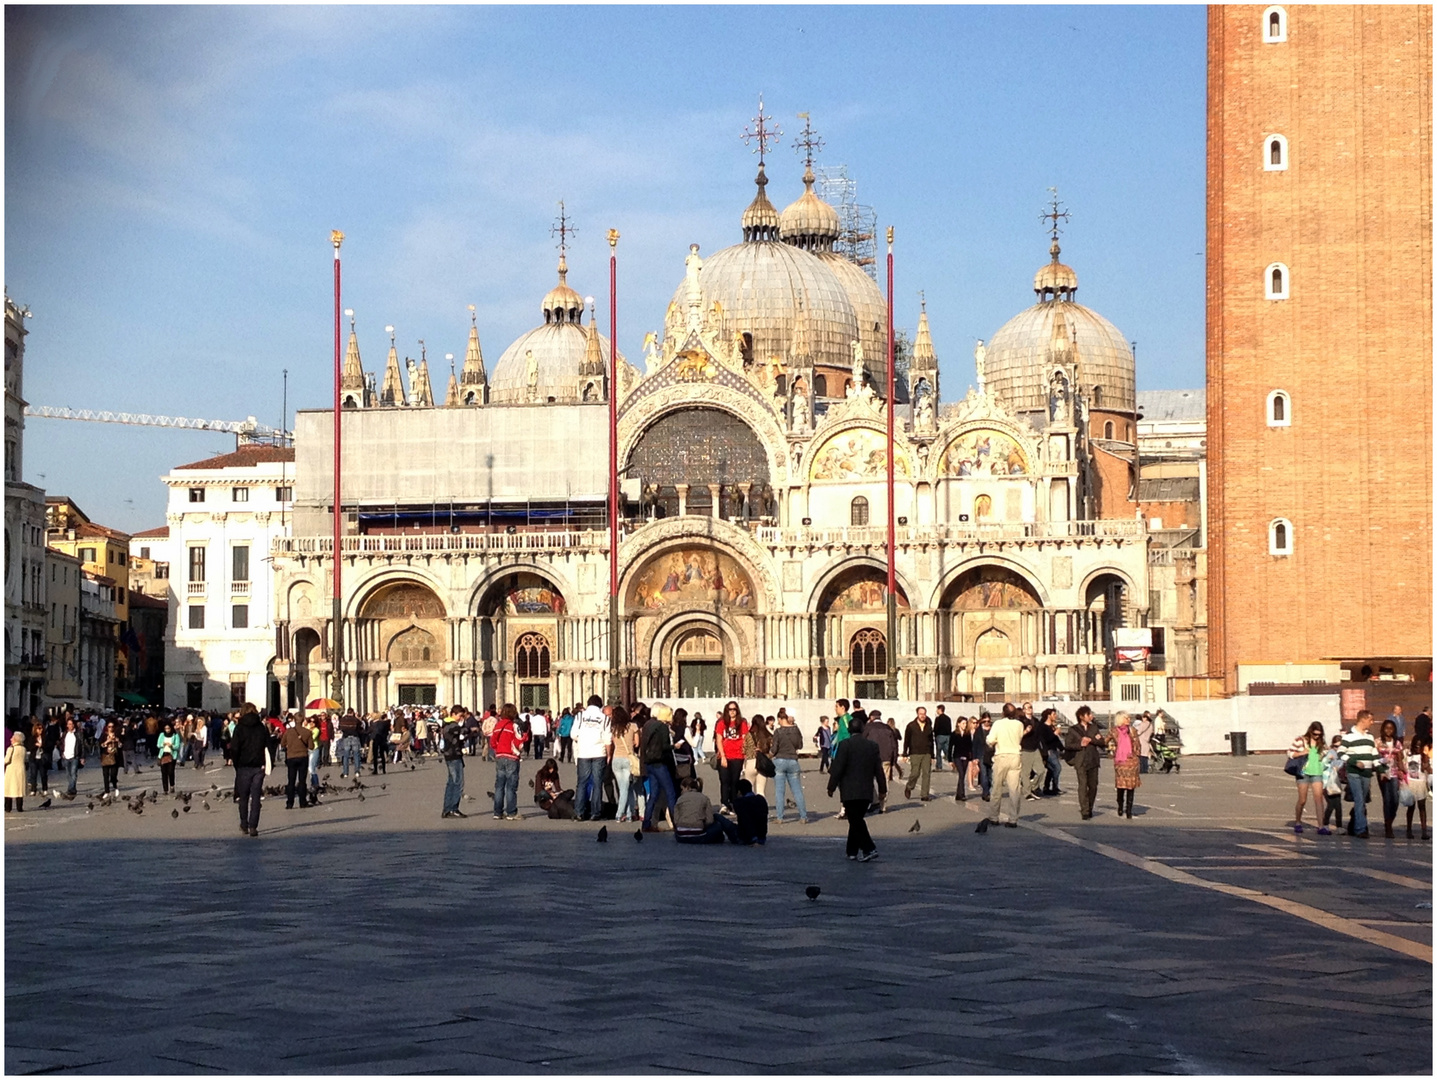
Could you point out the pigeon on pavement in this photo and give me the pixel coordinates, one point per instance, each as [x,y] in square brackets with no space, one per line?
[604,834]
[639,835]
[982,826]
[812,892]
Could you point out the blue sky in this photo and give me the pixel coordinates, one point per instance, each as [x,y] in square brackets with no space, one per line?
[172,174]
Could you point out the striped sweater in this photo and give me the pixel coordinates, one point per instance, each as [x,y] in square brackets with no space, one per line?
[1359,752]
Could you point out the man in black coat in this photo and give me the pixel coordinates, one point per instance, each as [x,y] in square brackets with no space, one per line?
[857,767]
[248,746]
[1081,745]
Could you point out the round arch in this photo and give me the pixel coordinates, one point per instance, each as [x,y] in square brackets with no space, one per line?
[675,628]
[656,538]
[950,578]
[1026,444]
[361,592]
[843,564]
[482,590]
[647,411]
[689,574]
[1105,571]
[862,431]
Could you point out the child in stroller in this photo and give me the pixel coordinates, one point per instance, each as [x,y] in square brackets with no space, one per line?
[1167,742]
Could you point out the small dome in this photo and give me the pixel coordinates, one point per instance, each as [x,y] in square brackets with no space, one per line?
[561,303]
[809,222]
[1020,357]
[1055,281]
[559,350]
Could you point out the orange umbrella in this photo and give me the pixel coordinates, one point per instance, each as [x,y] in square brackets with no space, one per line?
[323,703]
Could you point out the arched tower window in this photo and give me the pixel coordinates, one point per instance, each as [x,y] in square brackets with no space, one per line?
[1279,537]
[1274,156]
[820,386]
[1277,281]
[1108,430]
[870,654]
[531,657]
[1097,395]
[1274,25]
[1279,409]
[858,511]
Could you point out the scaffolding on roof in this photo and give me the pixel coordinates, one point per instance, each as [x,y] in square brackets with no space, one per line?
[858,224]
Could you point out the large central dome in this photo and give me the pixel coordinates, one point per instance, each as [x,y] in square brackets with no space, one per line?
[764,284]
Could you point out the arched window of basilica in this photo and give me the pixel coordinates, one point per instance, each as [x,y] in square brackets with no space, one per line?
[858,511]
[870,654]
[1098,396]
[699,447]
[820,386]
[531,657]
[1108,430]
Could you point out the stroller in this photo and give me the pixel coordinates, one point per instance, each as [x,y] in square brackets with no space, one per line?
[1167,743]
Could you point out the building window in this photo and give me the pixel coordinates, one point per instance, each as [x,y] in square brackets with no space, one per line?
[197,564]
[1277,281]
[858,511]
[239,562]
[870,654]
[1279,409]
[197,495]
[820,386]
[239,616]
[197,616]
[1274,26]
[120,557]
[162,570]
[237,695]
[144,553]
[194,695]
[239,494]
[1098,396]
[1108,430]
[284,493]
[531,657]
[1274,156]
[120,595]
[1279,537]
[87,555]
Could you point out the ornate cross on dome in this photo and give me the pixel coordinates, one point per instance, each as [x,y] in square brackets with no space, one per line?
[762,132]
[473,316]
[1054,214]
[563,228]
[808,141]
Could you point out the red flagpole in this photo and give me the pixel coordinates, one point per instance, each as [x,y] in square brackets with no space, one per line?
[614,682]
[891,674]
[337,651]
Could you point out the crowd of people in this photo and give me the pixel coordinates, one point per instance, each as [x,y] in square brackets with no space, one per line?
[641,764]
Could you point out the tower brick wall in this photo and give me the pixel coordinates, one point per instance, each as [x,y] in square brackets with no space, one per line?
[1350,217]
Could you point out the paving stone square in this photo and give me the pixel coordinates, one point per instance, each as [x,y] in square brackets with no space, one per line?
[370,936]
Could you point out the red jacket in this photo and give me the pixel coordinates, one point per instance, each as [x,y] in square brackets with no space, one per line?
[506,740]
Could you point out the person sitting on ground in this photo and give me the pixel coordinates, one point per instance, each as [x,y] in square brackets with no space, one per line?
[695,821]
[549,793]
[751,811]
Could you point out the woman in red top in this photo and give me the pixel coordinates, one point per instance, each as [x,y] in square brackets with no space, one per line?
[729,730]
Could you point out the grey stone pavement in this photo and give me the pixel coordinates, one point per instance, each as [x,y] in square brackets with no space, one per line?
[370,936]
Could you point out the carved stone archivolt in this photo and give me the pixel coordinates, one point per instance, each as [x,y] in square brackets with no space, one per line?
[646,409]
[654,538]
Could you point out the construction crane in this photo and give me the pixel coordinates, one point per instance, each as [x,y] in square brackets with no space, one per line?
[249,428]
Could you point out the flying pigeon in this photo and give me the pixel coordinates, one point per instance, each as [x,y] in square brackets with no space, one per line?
[917,825]
[639,835]
[604,834]
[982,826]
[812,892]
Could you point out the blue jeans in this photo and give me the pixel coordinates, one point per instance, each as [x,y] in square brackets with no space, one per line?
[623,780]
[1391,789]
[506,786]
[787,771]
[454,786]
[659,778]
[591,772]
[1359,786]
[940,750]
[314,756]
[985,776]
[72,767]
[349,754]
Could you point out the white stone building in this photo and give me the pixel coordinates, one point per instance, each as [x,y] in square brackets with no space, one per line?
[752,556]
[26,608]
[224,515]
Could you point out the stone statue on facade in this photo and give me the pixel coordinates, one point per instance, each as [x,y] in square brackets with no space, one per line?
[980,358]
[923,413]
[693,294]
[413,371]
[801,417]
[531,374]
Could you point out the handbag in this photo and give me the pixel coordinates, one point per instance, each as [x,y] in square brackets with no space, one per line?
[1294,766]
[1405,796]
[764,764]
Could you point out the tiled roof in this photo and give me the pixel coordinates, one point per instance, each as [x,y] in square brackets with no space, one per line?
[162,533]
[247,456]
[1173,404]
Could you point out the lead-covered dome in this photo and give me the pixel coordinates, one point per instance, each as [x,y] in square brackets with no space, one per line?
[546,363]
[809,222]
[1019,359]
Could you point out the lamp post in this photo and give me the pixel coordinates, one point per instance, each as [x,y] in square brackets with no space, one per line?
[890,675]
[336,680]
[615,686]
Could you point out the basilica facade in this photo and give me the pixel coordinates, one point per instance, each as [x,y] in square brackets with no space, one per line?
[752,462]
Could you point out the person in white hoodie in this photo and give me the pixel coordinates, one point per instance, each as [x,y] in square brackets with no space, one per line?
[591,741]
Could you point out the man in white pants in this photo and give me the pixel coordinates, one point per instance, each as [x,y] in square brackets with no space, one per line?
[1006,738]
